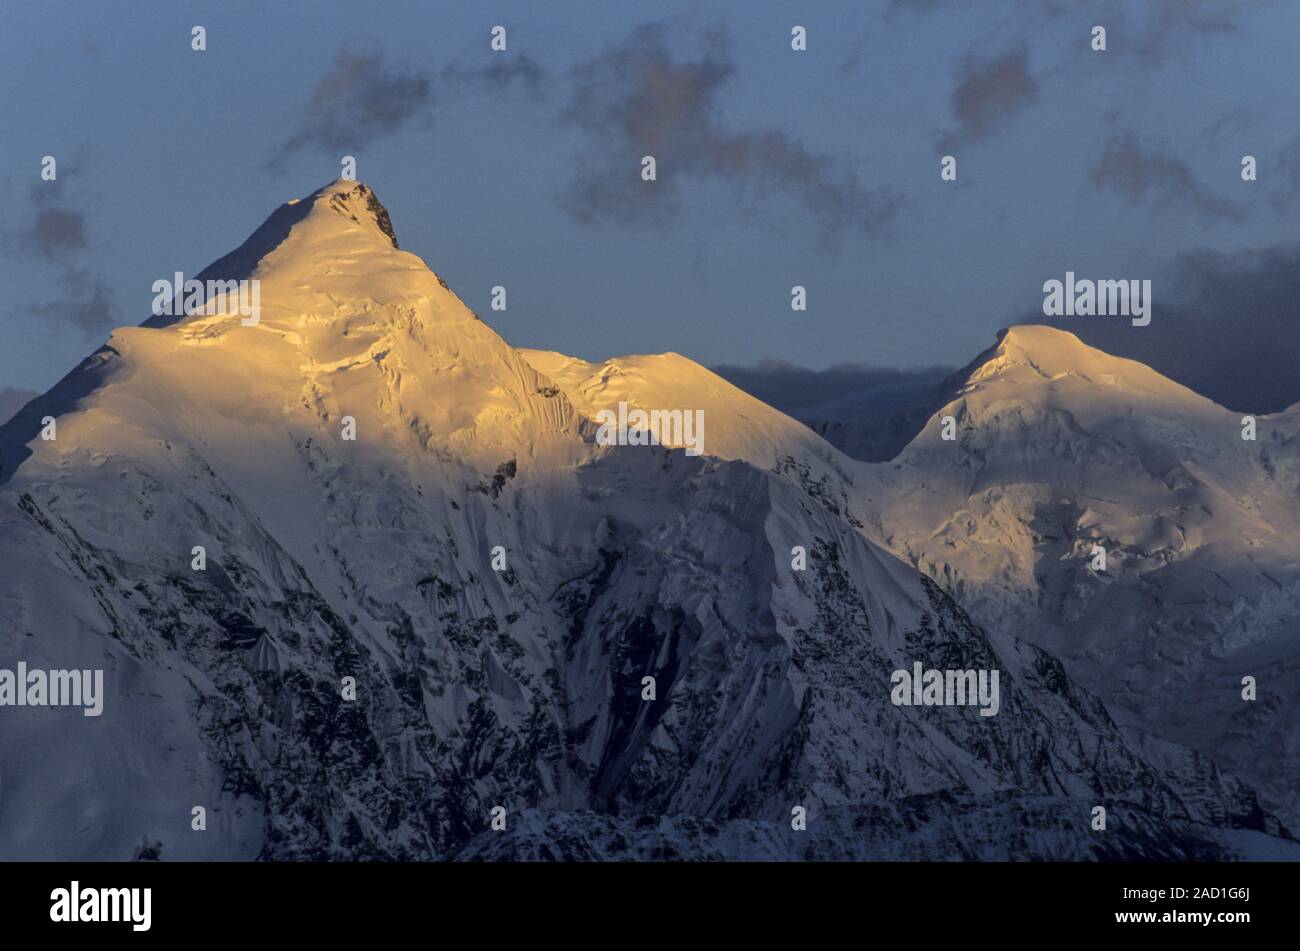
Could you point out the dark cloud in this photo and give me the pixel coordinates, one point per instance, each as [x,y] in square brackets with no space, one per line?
[988,95]
[1222,324]
[1130,168]
[360,99]
[12,400]
[638,99]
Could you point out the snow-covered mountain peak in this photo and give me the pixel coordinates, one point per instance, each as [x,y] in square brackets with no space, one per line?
[325,267]
[333,241]
[330,320]
[1033,355]
[1046,451]
[355,203]
[338,243]
[1044,348]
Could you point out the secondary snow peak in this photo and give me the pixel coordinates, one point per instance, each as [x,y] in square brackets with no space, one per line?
[1033,345]
[1033,353]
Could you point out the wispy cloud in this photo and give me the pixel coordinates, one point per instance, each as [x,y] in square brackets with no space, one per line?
[84,300]
[503,72]
[56,230]
[1287,161]
[52,229]
[1142,34]
[1129,167]
[357,100]
[1170,25]
[360,99]
[637,98]
[988,94]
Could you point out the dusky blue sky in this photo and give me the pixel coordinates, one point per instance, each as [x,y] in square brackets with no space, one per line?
[776,168]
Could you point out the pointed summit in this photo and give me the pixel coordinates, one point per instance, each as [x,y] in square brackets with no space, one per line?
[1039,382]
[1043,349]
[1046,349]
[1033,355]
[341,219]
[355,202]
[335,244]
[329,319]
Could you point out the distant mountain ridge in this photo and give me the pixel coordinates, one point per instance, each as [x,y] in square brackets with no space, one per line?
[869,413]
